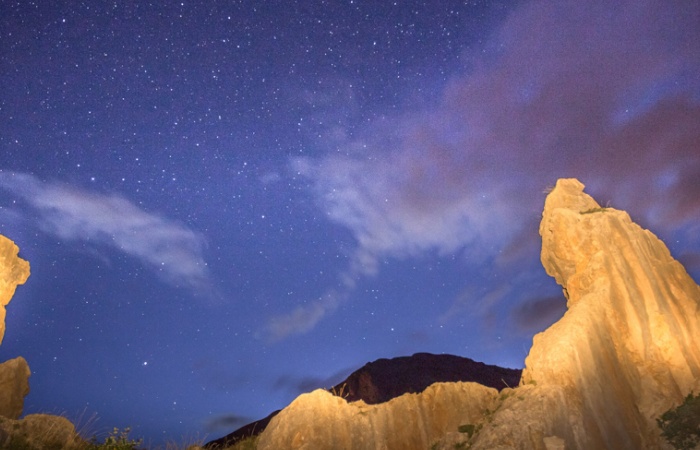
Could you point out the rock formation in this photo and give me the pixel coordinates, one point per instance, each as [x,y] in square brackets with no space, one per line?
[13,271]
[625,351]
[627,348]
[320,420]
[39,432]
[14,386]
[384,379]
[14,374]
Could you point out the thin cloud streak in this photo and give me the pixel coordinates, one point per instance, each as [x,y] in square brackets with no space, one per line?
[605,93]
[537,314]
[303,318]
[172,250]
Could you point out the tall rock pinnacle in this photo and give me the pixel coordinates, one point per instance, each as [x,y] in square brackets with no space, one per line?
[625,351]
[627,348]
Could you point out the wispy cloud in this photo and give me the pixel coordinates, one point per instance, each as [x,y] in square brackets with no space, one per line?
[537,314]
[226,423]
[170,249]
[304,317]
[604,92]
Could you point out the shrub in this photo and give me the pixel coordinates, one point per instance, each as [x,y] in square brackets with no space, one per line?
[249,443]
[116,440]
[681,426]
[470,429]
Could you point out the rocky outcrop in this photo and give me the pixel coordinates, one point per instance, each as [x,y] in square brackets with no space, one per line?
[385,379]
[13,271]
[320,420]
[40,432]
[14,374]
[625,351]
[14,386]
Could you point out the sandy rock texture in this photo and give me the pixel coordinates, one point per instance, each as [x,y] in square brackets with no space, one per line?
[13,271]
[320,420]
[14,386]
[14,374]
[626,349]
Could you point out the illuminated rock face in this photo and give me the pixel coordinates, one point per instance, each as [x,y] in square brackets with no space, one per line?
[14,374]
[320,420]
[13,271]
[626,350]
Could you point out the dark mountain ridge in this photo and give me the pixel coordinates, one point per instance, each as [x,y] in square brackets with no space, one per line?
[384,379]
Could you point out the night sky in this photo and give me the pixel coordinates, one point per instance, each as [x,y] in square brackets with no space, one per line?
[228,203]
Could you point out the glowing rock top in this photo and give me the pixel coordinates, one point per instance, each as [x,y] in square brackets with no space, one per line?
[13,271]
[627,348]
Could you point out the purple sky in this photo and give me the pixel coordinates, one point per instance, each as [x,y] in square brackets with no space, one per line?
[226,204]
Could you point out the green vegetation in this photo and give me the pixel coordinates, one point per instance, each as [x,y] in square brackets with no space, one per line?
[594,210]
[249,443]
[116,440]
[504,395]
[681,426]
[470,429]
[60,435]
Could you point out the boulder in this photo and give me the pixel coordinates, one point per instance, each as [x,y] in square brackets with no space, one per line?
[13,271]
[40,432]
[14,386]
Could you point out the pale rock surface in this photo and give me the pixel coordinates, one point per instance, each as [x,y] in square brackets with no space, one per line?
[627,348]
[320,420]
[13,271]
[625,351]
[14,374]
[14,386]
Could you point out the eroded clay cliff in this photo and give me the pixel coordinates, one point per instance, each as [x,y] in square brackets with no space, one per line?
[13,271]
[14,374]
[625,351]
[320,420]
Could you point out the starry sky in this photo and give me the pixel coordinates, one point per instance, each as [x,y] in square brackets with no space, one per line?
[228,203]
